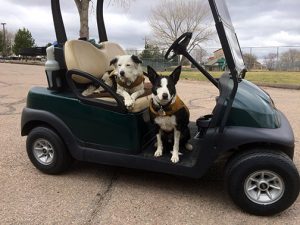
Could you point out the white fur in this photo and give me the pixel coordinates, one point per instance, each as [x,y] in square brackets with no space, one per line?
[131,72]
[89,91]
[159,150]
[175,153]
[163,90]
[131,69]
[167,123]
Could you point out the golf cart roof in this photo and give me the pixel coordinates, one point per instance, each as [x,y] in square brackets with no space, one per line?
[228,38]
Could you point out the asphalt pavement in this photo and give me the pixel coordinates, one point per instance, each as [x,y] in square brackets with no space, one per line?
[95,194]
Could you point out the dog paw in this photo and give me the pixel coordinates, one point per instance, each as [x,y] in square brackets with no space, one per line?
[158,153]
[175,158]
[89,91]
[189,147]
[129,103]
[130,108]
[99,90]
[179,153]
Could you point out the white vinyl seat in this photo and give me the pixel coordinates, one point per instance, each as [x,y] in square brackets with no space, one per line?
[84,56]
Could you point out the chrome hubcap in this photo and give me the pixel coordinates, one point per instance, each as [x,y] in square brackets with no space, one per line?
[43,151]
[264,187]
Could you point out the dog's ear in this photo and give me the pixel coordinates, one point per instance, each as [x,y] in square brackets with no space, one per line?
[176,74]
[152,75]
[136,59]
[114,61]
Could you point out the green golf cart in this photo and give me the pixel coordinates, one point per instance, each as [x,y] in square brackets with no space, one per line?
[245,129]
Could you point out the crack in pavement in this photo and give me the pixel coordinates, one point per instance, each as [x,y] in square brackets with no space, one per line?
[4,84]
[102,199]
[11,110]
[192,104]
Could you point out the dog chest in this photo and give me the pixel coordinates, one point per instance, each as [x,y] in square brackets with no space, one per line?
[166,123]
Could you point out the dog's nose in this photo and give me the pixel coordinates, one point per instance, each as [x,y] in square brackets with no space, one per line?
[122,73]
[165,96]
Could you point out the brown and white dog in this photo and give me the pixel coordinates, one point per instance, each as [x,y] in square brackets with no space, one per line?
[168,113]
[129,77]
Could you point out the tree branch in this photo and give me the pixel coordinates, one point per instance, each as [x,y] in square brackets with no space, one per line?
[172,18]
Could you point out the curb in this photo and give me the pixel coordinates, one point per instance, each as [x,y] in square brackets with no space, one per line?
[25,63]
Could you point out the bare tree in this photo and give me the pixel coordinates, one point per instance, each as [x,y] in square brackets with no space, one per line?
[250,60]
[7,49]
[199,54]
[122,3]
[170,19]
[270,61]
[289,59]
[83,10]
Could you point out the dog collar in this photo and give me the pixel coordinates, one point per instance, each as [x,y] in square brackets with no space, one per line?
[139,80]
[167,110]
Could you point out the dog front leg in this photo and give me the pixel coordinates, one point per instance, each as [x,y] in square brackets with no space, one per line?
[89,91]
[175,153]
[137,94]
[159,150]
[127,98]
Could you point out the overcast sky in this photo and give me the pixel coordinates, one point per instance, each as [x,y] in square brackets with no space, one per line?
[257,22]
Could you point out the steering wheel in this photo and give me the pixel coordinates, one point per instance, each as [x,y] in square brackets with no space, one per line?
[179,46]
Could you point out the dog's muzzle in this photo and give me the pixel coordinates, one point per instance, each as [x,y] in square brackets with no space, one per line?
[165,96]
[122,73]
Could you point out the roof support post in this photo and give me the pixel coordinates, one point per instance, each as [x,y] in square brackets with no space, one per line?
[58,23]
[100,21]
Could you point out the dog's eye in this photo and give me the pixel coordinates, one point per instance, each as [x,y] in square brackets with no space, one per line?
[119,65]
[128,65]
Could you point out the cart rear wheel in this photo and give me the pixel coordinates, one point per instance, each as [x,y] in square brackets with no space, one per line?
[262,183]
[46,151]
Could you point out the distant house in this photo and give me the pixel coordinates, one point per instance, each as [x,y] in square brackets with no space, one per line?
[217,62]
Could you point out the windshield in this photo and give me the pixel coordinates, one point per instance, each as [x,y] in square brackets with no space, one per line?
[235,49]
[227,36]
[223,11]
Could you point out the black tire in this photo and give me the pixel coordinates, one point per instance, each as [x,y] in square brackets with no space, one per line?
[270,175]
[56,158]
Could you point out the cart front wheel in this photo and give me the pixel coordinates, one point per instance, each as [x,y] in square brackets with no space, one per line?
[262,182]
[46,151]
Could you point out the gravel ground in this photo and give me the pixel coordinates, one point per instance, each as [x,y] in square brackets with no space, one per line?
[92,194]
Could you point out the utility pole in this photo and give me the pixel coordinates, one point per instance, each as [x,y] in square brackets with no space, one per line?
[4,46]
[146,41]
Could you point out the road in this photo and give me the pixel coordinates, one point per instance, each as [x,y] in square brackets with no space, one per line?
[92,194]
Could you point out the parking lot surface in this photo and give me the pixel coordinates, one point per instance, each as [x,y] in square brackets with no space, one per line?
[93,194]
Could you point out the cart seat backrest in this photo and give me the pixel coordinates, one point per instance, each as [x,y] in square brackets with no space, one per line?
[84,56]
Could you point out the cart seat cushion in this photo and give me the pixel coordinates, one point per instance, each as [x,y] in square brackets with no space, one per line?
[84,56]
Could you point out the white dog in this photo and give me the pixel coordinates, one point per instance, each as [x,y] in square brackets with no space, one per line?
[129,77]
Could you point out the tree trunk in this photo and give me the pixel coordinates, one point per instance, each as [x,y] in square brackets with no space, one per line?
[83,9]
